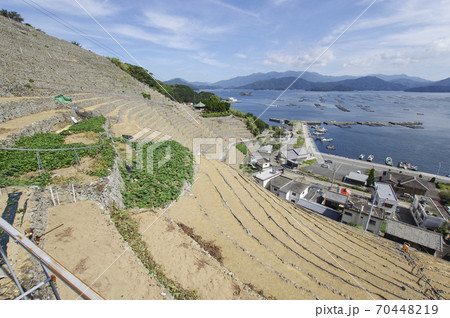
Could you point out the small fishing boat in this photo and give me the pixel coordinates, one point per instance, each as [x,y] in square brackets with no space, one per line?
[411,167]
[317,133]
[388,161]
[370,158]
[331,147]
[327,139]
[361,156]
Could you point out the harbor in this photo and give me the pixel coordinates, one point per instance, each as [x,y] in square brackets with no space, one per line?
[344,165]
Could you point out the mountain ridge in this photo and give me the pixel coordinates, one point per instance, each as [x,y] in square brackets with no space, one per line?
[317,81]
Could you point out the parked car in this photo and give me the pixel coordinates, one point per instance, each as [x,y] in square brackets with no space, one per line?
[328,161]
[324,165]
[406,195]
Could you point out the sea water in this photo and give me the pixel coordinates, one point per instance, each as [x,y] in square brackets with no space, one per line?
[428,148]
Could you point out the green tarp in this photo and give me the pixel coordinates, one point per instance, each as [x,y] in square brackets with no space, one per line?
[63,99]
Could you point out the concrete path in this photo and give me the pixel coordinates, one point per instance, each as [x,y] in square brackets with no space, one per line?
[310,145]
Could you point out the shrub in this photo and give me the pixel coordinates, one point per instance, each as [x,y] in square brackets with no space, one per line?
[371,178]
[444,195]
[221,114]
[152,184]
[92,124]
[147,96]
[242,148]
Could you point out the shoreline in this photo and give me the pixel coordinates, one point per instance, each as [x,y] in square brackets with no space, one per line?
[363,164]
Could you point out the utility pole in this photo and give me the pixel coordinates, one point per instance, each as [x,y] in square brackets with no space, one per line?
[370,213]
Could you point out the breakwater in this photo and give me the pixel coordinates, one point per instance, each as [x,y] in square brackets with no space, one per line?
[346,124]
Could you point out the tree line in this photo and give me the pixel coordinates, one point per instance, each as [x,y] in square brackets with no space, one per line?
[178,92]
[13,15]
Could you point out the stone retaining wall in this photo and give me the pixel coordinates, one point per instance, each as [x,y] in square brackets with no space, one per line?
[28,106]
[42,126]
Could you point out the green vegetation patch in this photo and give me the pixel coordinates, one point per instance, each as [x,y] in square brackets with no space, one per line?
[443,186]
[129,229]
[15,164]
[94,124]
[178,92]
[221,114]
[242,148]
[158,172]
[309,162]
[253,123]
[383,227]
[444,195]
[300,142]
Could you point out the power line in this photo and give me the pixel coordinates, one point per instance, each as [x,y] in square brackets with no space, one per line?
[71,27]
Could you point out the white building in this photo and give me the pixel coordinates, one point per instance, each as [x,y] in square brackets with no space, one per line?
[263,164]
[265,176]
[295,156]
[426,216]
[384,197]
[288,189]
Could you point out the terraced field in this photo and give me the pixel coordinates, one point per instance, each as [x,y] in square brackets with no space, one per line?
[289,253]
[268,245]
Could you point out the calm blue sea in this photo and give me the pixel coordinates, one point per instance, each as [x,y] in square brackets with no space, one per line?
[428,148]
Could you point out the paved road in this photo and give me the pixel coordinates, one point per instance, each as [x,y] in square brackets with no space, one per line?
[311,145]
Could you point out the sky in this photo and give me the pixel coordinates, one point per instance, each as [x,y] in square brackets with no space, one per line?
[212,40]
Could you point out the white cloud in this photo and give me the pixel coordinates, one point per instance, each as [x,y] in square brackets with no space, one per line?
[207,58]
[279,2]
[97,8]
[234,8]
[304,58]
[181,25]
[381,60]
[395,36]
[172,41]
[240,55]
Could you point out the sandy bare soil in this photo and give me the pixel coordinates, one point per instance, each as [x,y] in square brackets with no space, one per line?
[19,259]
[184,261]
[289,253]
[87,138]
[89,246]
[11,126]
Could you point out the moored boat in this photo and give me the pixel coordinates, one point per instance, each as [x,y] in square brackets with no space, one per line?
[331,147]
[361,156]
[388,161]
[370,158]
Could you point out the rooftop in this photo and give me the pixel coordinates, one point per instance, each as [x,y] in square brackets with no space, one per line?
[280,181]
[336,197]
[385,191]
[298,187]
[268,174]
[357,176]
[402,180]
[414,234]
[265,149]
[319,208]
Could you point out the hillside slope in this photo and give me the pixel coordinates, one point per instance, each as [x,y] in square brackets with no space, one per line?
[268,245]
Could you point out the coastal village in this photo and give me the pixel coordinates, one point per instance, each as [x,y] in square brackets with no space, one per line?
[400,206]
[112,189]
